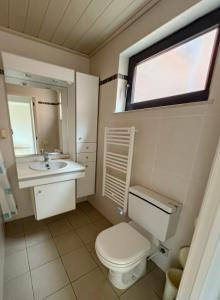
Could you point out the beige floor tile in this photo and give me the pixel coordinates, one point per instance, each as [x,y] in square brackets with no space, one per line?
[59,227]
[19,288]
[156,280]
[42,253]
[118,291]
[67,242]
[87,233]
[63,294]
[78,219]
[72,212]
[14,227]
[93,286]
[85,206]
[16,264]
[139,291]
[102,224]
[90,246]
[98,262]
[150,266]
[14,243]
[37,236]
[78,263]
[48,279]
[55,218]
[30,223]
[94,215]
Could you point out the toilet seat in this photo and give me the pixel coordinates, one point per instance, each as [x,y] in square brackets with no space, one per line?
[121,245]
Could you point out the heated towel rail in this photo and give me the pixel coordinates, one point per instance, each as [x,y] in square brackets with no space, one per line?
[118,153]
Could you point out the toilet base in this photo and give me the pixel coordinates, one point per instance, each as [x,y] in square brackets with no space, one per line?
[123,280]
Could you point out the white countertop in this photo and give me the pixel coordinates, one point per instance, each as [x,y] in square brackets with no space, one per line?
[25,172]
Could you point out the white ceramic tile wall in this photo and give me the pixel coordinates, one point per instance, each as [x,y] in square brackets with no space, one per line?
[174,146]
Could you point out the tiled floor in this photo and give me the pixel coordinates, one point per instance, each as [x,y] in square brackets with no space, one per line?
[55,259]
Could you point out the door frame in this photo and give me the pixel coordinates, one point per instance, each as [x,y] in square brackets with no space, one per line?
[205,243]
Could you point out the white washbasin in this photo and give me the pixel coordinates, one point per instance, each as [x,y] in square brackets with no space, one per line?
[46,166]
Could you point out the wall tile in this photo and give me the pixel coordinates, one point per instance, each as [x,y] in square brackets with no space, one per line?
[207,147]
[177,143]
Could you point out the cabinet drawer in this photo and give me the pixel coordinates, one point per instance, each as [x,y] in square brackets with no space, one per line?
[86,185]
[86,157]
[86,147]
[53,199]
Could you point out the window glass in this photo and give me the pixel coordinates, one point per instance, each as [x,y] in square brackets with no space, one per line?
[179,70]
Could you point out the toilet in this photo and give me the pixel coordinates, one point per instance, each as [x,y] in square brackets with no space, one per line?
[123,248]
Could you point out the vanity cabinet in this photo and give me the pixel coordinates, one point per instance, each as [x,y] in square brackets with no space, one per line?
[53,199]
[87,87]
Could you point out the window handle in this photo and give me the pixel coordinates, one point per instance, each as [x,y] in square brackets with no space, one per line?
[126,89]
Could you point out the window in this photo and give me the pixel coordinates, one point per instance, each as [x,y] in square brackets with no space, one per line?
[176,70]
[22,123]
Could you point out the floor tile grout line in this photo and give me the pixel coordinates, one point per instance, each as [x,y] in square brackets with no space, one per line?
[59,255]
[66,285]
[84,245]
[16,277]
[32,286]
[83,275]
[63,265]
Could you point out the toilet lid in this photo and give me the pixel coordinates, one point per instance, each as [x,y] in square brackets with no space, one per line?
[122,244]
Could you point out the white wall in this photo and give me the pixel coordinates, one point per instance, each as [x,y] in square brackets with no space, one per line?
[174,146]
[32,49]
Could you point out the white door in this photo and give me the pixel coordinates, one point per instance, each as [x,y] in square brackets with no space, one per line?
[201,275]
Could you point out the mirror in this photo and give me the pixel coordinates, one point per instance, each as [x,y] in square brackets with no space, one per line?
[41,106]
[36,119]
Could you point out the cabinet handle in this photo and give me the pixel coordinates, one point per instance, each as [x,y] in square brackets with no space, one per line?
[80,138]
[86,166]
[87,157]
[87,147]
[39,192]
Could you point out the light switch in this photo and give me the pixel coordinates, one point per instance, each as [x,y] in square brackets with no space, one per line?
[3,134]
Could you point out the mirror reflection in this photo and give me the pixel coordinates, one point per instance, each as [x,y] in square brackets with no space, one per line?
[36,118]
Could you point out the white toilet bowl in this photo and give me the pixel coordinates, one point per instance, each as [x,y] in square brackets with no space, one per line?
[123,250]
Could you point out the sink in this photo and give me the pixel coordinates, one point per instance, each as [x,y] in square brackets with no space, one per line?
[46,166]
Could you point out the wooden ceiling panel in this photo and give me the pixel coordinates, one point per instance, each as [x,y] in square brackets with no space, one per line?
[80,25]
[115,10]
[17,14]
[53,16]
[35,15]
[70,18]
[4,13]
[89,44]
[94,10]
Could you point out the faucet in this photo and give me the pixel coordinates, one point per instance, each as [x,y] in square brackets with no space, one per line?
[46,157]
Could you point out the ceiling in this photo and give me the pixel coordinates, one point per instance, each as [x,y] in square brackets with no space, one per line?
[81,25]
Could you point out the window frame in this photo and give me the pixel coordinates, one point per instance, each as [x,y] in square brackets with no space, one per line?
[187,33]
